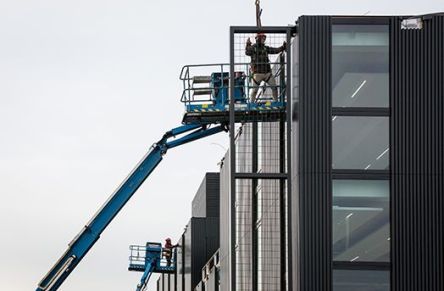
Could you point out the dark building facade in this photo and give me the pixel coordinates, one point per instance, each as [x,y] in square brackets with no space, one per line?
[199,241]
[368,106]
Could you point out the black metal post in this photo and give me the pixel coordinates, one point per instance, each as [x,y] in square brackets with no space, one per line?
[232,165]
[289,159]
[254,214]
[284,176]
[282,224]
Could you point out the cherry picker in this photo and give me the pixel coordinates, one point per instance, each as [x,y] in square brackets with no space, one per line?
[148,259]
[206,102]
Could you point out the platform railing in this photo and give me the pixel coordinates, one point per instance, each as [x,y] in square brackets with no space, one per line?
[138,256]
[197,88]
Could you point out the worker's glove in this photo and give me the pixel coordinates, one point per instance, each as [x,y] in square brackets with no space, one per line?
[248,42]
[284,46]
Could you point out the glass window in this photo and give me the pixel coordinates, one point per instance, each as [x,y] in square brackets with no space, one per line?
[362,280]
[360,143]
[360,65]
[361,228]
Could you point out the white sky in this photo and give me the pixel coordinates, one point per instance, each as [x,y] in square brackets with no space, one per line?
[85,88]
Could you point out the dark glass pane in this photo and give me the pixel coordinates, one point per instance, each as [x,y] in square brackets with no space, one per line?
[360,143]
[360,66]
[357,280]
[361,227]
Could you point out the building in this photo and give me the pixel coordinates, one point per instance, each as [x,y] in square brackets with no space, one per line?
[199,241]
[368,171]
[360,150]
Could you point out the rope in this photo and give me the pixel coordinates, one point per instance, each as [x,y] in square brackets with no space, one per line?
[258,13]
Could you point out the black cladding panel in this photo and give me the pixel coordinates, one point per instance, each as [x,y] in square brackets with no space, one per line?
[417,155]
[201,242]
[206,200]
[314,152]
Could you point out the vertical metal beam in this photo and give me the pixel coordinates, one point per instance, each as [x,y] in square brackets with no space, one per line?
[254,214]
[289,175]
[232,165]
[283,239]
[182,275]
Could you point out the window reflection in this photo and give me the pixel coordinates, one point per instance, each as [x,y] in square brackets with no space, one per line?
[360,143]
[360,66]
[361,229]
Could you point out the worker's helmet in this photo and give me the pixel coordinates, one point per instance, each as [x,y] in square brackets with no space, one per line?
[261,35]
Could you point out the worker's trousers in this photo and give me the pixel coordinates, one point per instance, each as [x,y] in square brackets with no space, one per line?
[256,81]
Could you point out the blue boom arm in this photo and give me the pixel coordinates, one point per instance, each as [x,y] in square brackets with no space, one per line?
[146,276]
[81,244]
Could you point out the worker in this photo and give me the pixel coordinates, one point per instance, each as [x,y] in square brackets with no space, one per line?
[260,64]
[168,250]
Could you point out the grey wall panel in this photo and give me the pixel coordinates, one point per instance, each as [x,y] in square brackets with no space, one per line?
[268,195]
[210,284]
[172,285]
[161,283]
[243,211]
[187,258]
[417,156]
[199,204]
[206,200]
[180,268]
[294,197]
[167,279]
[315,152]
[225,225]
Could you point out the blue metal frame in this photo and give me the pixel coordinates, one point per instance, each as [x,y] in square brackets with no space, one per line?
[241,106]
[84,241]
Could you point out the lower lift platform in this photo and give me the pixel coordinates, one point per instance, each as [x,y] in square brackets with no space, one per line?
[206,98]
[150,259]
[150,255]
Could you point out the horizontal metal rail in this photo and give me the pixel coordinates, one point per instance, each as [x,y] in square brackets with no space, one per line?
[197,89]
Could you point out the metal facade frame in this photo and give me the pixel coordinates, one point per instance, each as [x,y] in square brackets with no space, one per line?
[425,179]
[283,176]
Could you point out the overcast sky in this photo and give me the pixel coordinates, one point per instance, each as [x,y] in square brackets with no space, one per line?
[85,88]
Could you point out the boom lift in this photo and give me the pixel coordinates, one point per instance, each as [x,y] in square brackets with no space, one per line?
[81,244]
[148,259]
[203,117]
